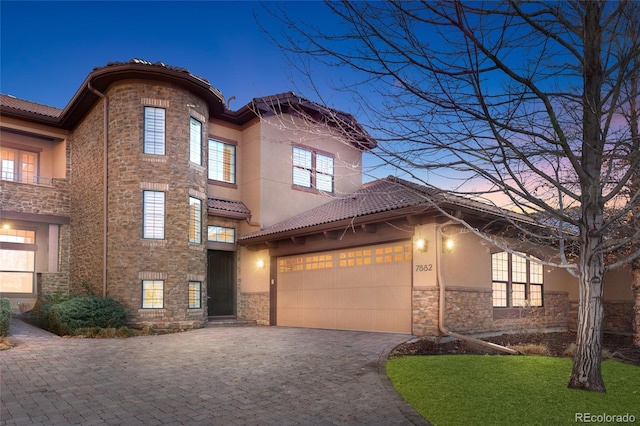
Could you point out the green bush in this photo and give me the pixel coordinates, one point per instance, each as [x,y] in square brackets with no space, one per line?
[5,316]
[85,312]
[39,315]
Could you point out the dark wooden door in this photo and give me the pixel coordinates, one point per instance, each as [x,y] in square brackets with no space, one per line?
[221,284]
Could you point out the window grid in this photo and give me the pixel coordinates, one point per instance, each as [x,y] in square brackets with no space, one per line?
[195,295]
[222,161]
[517,281]
[153,214]
[154,131]
[152,294]
[195,220]
[20,236]
[221,234]
[312,169]
[19,166]
[195,141]
[499,294]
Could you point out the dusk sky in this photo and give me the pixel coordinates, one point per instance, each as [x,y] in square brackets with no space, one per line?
[49,48]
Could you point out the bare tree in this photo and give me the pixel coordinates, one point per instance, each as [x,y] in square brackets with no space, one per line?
[518,99]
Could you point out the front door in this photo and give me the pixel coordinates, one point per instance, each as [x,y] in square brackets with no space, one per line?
[221,287]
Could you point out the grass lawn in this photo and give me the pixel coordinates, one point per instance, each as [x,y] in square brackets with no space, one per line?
[509,390]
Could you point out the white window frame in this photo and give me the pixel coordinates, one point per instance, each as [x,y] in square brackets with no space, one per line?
[152,294]
[195,141]
[312,169]
[14,170]
[154,135]
[153,214]
[221,169]
[195,220]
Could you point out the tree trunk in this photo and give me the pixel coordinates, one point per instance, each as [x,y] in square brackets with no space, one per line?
[586,372]
[635,285]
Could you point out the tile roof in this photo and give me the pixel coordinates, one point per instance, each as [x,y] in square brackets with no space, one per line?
[27,106]
[235,209]
[383,195]
[375,197]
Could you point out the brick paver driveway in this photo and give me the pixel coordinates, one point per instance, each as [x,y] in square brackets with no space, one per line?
[212,376]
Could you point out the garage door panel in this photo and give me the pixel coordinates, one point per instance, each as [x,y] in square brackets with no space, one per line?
[356,289]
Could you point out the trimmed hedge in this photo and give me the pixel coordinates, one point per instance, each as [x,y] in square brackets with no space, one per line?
[85,312]
[5,316]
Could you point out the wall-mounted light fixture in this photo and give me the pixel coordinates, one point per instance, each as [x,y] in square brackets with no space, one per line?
[260,263]
[6,226]
[447,244]
[422,244]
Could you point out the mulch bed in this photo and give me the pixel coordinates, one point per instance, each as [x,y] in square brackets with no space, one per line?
[619,346]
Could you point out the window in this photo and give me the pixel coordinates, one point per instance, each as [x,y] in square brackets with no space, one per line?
[516,281]
[153,215]
[195,141]
[17,260]
[195,220]
[154,125]
[195,294]
[222,161]
[312,170]
[152,294]
[221,234]
[19,166]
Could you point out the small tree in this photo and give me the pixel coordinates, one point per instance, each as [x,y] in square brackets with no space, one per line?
[518,99]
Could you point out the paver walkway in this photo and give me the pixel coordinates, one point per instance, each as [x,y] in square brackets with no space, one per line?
[212,376]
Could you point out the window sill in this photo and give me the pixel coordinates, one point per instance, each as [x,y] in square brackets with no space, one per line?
[310,190]
[222,183]
[154,243]
[151,312]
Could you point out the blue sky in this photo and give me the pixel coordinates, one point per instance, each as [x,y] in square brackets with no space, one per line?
[48,48]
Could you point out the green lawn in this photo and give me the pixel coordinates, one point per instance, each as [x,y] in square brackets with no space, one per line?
[509,390]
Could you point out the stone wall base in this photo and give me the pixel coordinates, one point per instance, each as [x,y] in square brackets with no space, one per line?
[50,283]
[618,316]
[254,307]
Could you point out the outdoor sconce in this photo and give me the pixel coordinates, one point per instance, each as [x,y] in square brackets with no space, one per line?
[447,244]
[422,244]
[260,263]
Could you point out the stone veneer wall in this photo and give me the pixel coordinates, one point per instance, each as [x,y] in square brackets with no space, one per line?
[38,199]
[254,306]
[618,316]
[425,311]
[86,257]
[470,311]
[50,283]
[132,259]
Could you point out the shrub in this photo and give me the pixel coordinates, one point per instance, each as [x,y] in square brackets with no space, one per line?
[85,312]
[39,315]
[5,316]
[531,349]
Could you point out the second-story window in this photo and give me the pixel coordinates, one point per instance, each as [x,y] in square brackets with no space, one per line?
[222,161]
[195,141]
[312,170]
[153,215]
[195,220]
[154,130]
[19,166]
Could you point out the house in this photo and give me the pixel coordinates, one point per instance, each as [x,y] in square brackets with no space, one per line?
[146,188]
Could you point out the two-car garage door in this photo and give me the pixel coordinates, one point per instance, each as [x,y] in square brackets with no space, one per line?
[364,288]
